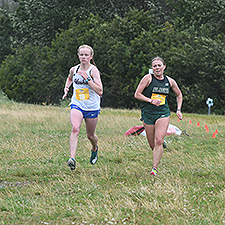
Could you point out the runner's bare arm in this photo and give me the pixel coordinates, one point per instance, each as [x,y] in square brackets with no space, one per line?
[69,81]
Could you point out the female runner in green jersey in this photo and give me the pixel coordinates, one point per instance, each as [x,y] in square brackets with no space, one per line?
[153,90]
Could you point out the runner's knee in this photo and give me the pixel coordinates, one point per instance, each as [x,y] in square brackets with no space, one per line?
[159,141]
[90,136]
[75,130]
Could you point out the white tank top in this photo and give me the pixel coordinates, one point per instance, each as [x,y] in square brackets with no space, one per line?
[83,95]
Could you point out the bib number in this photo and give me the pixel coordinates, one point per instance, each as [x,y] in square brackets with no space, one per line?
[82,94]
[160,97]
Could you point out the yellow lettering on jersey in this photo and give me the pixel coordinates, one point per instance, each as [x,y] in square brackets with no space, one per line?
[160,97]
[82,94]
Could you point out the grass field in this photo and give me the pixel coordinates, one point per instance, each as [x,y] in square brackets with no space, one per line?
[36,186]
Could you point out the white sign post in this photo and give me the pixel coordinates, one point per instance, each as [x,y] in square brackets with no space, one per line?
[209,102]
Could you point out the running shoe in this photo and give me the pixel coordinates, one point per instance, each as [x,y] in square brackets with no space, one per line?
[164,144]
[94,157]
[71,163]
[154,172]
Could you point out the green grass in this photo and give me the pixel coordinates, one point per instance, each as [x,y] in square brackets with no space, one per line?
[36,186]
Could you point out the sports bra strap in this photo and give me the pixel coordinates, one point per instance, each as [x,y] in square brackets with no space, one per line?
[88,70]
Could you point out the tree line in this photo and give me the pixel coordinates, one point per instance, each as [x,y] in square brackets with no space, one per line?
[39,42]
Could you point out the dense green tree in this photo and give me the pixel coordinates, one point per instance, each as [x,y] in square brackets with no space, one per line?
[5,35]
[37,22]
[198,14]
[124,49]
[190,39]
[8,5]
[200,63]
[26,76]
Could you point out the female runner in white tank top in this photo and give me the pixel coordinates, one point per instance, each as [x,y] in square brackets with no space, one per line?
[85,102]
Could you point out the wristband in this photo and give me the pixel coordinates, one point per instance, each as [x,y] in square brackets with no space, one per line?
[67,87]
[178,110]
[88,79]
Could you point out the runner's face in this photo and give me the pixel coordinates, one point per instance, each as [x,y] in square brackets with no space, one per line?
[158,67]
[85,55]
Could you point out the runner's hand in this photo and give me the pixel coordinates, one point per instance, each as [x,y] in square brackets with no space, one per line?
[66,90]
[179,115]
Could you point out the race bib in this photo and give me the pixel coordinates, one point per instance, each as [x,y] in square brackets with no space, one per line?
[160,97]
[82,94]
